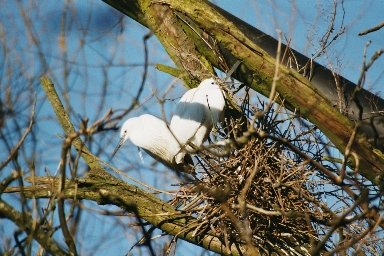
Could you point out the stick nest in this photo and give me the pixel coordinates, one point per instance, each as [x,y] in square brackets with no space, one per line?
[255,195]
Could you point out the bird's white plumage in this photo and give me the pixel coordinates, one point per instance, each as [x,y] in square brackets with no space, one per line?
[196,113]
[198,110]
[151,134]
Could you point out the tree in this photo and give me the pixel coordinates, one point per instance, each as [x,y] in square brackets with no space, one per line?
[310,202]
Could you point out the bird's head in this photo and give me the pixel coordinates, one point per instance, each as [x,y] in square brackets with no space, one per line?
[208,82]
[125,133]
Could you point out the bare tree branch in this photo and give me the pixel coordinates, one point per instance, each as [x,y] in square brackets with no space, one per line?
[25,223]
[373,29]
[103,188]
[15,149]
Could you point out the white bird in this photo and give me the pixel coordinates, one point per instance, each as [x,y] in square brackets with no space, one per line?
[153,136]
[198,110]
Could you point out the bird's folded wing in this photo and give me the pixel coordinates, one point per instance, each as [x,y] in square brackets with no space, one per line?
[188,117]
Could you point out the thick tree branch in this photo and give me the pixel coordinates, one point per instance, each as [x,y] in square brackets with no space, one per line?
[239,41]
[180,47]
[103,188]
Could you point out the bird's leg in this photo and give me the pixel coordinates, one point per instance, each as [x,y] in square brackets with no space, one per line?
[140,155]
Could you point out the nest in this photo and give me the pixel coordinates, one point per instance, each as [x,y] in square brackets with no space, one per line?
[259,189]
[256,195]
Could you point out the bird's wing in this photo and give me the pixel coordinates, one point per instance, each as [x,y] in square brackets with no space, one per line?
[210,94]
[188,117]
[183,108]
[154,136]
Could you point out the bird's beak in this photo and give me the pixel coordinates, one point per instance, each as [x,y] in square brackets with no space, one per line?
[121,142]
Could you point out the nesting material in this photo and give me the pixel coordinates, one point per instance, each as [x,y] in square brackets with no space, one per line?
[256,196]
[257,191]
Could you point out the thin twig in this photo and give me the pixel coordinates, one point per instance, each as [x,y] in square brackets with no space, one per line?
[337,223]
[60,203]
[347,152]
[15,149]
[373,29]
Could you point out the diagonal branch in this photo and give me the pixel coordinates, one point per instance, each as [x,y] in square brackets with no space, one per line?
[106,189]
[373,29]
[66,124]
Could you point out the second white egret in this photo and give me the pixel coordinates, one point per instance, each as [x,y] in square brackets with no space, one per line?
[198,110]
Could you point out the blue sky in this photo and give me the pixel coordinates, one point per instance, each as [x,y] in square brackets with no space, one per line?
[302,21]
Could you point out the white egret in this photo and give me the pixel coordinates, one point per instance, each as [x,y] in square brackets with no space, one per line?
[198,110]
[153,136]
